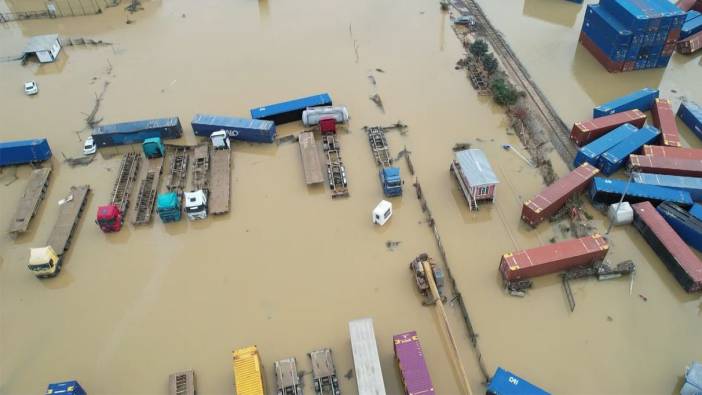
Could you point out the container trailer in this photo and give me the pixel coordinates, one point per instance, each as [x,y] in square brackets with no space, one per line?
[692,185]
[182,383]
[673,152]
[286,377]
[592,152]
[686,225]
[616,157]
[641,100]
[554,196]
[664,120]
[65,388]
[691,115]
[586,131]
[19,152]
[248,371]
[110,217]
[552,258]
[137,131]
[606,191]
[670,248]
[666,165]
[324,372]
[413,368]
[254,130]
[290,111]
[312,115]
[504,382]
[31,199]
[369,375]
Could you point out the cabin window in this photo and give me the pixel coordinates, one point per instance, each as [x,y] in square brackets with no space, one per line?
[387,213]
[483,191]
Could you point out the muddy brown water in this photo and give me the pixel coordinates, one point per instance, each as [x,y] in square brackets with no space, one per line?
[288,267]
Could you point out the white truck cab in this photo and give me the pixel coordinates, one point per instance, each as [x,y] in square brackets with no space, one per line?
[220,139]
[196,205]
[382,212]
[44,262]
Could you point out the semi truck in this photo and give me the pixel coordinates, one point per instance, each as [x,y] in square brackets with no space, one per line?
[153,148]
[390,179]
[168,207]
[46,261]
[110,217]
[19,152]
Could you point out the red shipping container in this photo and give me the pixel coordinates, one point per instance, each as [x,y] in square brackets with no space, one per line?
[698,6]
[585,131]
[666,165]
[673,152]
[552,258]
[551,199]
[673,251]
[690,44]
[664,120]
[685,5]
[673,36]
[610,65]
[629,66]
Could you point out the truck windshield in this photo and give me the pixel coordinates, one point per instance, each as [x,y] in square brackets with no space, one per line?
[195,208]
[38,267]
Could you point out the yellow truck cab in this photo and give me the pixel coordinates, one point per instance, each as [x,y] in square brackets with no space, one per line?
[44,262]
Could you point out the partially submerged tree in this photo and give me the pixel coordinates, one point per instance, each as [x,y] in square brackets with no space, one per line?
[489,63]
[503,92]
[478,48]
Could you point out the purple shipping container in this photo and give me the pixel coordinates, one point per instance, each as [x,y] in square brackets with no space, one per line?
[413,368]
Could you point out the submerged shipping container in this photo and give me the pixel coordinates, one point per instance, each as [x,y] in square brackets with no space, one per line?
[691,115]
[585,131]
[670,248]
[504,382]
[690,45]
[554,196]
[552,258]
[66,388]
[290,111]
[19,152]
[137,131]
[606,32]
[666,165]
[686,225]
[691,27]
[692,185]
[616,157]
[664,120]
[254,130]
[609,64]
[591,153]
[673,152]
[641,100]
[413,368]
[696,211]
[606,191]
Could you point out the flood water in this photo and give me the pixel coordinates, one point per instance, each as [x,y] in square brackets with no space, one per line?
[289,267]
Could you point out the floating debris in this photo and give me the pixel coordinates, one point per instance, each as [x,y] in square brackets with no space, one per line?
[391,244]
[404,152]
[349,374]
[286,139]
[380,70]
[90,119]
[71,41]
[134,6]
[645,299]
[372,79]
[378,101]
[461,146]
[79,160]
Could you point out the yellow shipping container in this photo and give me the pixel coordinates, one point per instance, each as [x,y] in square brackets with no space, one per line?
[248,373]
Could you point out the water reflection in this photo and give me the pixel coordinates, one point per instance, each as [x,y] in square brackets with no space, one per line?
[562,13]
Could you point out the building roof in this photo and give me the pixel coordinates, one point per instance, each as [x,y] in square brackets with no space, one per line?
[476,168]
[40,43]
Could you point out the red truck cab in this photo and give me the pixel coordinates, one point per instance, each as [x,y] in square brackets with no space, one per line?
[109,218]
[327,126]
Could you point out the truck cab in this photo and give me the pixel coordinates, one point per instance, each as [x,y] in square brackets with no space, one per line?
[44,262]
[391,181]
[153,148]
[168,207]
[109,218]
[196,205]
[220,140]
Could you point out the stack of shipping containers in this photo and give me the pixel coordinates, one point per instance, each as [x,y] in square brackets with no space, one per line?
[625,35]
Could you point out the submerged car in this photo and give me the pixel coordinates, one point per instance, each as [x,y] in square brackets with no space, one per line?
[89,146]
[31,88]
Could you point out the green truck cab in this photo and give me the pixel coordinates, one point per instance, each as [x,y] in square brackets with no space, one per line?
[168,207]
[154,148]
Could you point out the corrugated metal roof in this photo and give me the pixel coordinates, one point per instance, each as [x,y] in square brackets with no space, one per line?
[476,168]
[40,43]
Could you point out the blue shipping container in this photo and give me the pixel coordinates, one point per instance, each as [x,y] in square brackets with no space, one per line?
[24,151]
[696,210]
[591,153]
[692,14]
[137,131]
[685,224]
[607,33]
[642,99]
[65,388]
[290,111]
[636,15]
[504,382]
[693,185]
[255,130]
[617,156]
[691,115]
[609,191]
[691,27]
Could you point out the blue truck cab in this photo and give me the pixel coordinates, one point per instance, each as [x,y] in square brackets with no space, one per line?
[168,207]
[153,147]
[65,388]
[391,181]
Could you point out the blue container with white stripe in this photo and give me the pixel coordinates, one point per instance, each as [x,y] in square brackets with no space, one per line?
[691,115]
[609,191]
[693,185]
[616,157]
[244,129]
[290,111]
[591,152]
[642,100]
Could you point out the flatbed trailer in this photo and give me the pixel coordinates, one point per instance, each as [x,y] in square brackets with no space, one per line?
[311,164]
[200,165]
[369,374]
[287,378]
[128,170]
[31,198]
[336,173]
[178,168]
[220,180]
[182,383]
[148,190]
[70,212]
[324,373]
[379,146]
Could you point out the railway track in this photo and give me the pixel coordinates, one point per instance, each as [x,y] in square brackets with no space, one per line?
[558,131]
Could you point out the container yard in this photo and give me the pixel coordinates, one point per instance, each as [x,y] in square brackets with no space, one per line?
[433,94]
